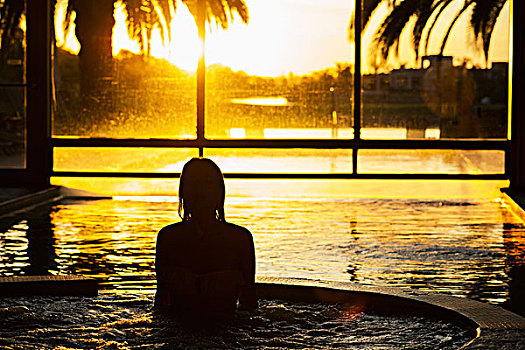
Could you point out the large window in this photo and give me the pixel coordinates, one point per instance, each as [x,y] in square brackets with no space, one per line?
[288,93]
[451,85]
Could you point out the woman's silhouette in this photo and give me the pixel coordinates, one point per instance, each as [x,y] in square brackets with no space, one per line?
[204,264]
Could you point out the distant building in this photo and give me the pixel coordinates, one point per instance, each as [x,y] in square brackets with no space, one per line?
[461,101]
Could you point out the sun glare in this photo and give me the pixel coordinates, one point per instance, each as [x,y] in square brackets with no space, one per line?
[270,45]
[282,37]
[185,46]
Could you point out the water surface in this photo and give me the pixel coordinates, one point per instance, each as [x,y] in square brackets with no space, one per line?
[464,247]
[127,322]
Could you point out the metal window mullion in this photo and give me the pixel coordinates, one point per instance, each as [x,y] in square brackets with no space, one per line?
[314,176]
[38,92]
[201,75]
[497,145]
[6,85]
[357,81]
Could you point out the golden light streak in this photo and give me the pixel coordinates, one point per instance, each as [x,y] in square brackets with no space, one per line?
[261,101]
[237,133]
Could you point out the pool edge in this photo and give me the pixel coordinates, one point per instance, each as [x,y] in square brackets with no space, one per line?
[25,198]
[28,199]
[490,326]
[515,202]
[47,285]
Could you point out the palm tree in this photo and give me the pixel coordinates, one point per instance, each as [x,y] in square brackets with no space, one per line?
[94,28]
[426,14]
[94,24]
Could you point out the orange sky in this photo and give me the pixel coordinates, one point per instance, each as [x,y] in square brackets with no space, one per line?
[296,36]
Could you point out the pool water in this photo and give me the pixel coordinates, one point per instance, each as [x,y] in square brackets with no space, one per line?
[127,322]
[461,247]
[468,247]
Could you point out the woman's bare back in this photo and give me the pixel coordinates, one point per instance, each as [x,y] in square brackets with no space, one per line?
[205,267]
[204,263]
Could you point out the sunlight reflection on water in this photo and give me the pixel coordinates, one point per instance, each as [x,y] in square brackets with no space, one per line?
[461,246]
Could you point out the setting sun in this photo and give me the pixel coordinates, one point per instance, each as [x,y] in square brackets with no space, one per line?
[182,51]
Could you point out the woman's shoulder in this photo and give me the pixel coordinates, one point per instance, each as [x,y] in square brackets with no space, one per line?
[237,228]
[238,231]
[172,227]
[171,230]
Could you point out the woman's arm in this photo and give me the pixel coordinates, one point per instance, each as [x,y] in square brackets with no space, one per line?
[247,295]
[162,296]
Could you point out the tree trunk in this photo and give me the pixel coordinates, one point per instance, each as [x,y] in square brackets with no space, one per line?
[94,28]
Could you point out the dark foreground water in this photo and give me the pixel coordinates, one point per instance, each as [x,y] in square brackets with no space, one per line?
[126,322]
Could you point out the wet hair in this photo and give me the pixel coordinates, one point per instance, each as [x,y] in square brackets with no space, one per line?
[193,172]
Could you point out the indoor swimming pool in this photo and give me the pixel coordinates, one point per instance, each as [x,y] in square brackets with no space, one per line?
[467,247]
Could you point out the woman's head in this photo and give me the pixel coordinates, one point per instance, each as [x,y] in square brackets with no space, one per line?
[201,189]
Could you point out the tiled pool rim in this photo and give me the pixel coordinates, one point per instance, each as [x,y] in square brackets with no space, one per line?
[491,327]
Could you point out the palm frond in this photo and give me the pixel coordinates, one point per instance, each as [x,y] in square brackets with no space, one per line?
[427,14]
[440,7]
[390,30]
[484,17]
[369,7]
[142,19]
[221,11]
[217,11]
[239,6]
[423,14]
[465,7]
[167,7]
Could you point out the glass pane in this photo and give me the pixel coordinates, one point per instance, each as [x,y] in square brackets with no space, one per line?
[12,95]
[286,74]
[106,84]
[431,161]
[12,127]
[13,58]
[437,89]
[157,160]
[281,160]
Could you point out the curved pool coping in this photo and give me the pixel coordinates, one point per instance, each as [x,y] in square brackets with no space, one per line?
[490,326]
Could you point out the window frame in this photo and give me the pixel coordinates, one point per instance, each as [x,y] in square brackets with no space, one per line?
[37,85]
[355,144]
